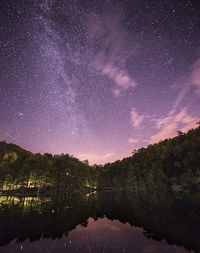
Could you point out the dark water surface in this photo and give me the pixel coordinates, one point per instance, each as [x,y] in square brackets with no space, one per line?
[101,222]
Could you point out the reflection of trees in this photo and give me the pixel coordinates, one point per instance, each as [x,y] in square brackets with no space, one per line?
[147,177]
[161,215]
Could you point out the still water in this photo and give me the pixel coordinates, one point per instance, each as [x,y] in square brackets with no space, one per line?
[101,222]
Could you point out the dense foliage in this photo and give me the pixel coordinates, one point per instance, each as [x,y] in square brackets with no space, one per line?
[172,162]
[22,169]
[169,163]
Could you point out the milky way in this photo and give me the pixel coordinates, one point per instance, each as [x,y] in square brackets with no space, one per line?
[98,79]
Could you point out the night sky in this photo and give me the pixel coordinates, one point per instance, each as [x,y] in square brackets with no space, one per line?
[98,79]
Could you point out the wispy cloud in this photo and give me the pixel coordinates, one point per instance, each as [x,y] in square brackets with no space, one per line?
[113,53]
[173,122]
[191,81]
[179,119]
[176,119]
[136,119]
[133,140]
[120,76]
[195,76]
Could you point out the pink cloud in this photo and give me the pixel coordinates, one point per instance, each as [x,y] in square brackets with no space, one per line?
[120,76]
[192,81]
[111,57]
[136,119]
[172,123]
[179,120]
[116,92]
[133,141]
[195,76]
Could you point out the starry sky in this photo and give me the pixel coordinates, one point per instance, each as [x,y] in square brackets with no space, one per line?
[98,79]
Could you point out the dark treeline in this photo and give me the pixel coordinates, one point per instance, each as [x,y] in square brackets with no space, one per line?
[20,169]
[170,163]
[37,218]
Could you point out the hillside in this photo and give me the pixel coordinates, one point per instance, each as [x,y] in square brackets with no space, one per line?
[169,163]
[22,169]
[173,161]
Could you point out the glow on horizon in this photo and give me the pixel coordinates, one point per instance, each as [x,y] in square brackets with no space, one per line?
[115,78]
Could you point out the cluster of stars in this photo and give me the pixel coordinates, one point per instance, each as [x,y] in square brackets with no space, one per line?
[72,71]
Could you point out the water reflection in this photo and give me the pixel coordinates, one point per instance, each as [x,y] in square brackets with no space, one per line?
[101,222]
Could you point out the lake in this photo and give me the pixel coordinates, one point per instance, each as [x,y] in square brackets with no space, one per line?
[101,222]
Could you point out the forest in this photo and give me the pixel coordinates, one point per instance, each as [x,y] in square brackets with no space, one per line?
[170,164]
